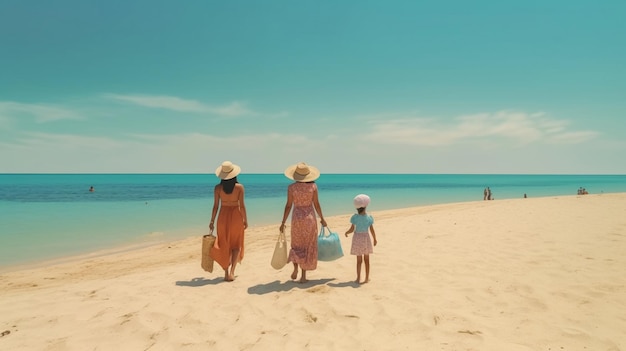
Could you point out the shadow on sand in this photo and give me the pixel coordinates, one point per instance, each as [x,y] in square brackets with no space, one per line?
[277,286]
[350,284]
[197,282]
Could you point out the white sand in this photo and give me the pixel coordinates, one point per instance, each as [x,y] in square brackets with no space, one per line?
[524,274]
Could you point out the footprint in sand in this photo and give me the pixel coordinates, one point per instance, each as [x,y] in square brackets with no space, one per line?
[436,320]
[309,317]
[127,317]
[319,289]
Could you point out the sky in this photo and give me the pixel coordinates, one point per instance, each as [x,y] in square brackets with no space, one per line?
[151,86]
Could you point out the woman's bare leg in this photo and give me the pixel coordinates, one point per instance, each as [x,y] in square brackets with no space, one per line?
[234,258]
[294,274]
[303,278]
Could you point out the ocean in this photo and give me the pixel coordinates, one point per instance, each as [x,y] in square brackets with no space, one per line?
[51,216]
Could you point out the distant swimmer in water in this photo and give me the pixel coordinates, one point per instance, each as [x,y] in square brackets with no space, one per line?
[91,189]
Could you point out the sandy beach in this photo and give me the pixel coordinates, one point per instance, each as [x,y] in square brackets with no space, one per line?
[523,274]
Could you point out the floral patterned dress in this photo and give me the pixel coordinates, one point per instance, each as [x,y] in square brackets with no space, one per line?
[303,226]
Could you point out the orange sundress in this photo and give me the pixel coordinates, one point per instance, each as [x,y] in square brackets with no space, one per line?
[303,226]
[230,229]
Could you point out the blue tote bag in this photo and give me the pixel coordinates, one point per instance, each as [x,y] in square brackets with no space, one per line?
[328,246]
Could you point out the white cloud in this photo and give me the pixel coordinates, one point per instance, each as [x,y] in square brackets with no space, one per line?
[5,122]
[233,109]
[42,113]
[573,137]
[432,145]
[164,102]
[187,152]
[516,127]
[182,105]
[43,141]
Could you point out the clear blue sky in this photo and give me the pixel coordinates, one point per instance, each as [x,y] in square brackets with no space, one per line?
[348,86]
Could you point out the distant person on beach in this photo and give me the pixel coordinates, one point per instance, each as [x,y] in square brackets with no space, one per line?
[232,220]
[485,193]
[302,197]
[489,193]
[362,224]
[525,195]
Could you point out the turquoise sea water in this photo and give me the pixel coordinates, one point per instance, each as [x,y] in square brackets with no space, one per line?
[47,216]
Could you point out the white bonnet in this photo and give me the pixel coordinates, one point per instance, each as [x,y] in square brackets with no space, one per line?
[361,200]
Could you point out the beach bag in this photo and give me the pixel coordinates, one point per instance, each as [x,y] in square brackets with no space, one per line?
[280,257]
[328,246]
[207,261]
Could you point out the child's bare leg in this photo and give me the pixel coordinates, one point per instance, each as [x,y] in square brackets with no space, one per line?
[359,260]
[303,278]
[294,275]
[366,258]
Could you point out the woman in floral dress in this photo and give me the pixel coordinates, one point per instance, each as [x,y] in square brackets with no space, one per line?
[302,197]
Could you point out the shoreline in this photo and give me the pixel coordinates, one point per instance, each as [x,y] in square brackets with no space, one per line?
[46,229]
[134,245]
[518,274]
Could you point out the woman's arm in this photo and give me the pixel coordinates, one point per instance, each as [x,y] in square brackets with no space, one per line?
[288,206]
[216,204]
[242,206]
[318,208]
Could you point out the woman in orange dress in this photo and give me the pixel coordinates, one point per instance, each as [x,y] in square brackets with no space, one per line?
[232,219]
[303,198]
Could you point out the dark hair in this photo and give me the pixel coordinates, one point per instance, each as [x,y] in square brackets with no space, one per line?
[361,210]
[228,185]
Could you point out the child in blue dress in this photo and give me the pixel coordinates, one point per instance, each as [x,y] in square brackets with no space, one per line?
[362,226]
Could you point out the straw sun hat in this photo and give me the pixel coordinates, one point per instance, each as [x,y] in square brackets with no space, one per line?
[301,172]
[227,170]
